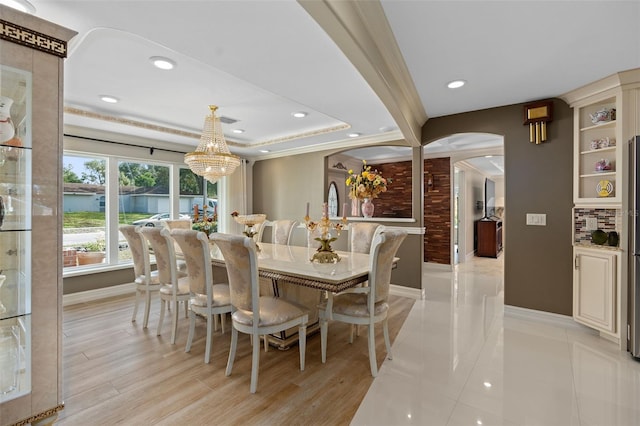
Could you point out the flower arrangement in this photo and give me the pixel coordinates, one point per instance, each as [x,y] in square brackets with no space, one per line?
[206,224]
[369,183]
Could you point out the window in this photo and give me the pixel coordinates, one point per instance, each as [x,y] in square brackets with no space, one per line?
[101,193]
[84,226]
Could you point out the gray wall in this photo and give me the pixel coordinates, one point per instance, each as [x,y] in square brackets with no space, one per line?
[538,179]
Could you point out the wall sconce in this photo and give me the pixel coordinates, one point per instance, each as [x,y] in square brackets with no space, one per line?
[430,182]
[537,116]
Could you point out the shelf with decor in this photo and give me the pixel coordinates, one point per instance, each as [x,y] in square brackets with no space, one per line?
[597,152]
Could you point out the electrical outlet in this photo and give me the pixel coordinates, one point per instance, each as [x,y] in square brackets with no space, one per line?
[592,223]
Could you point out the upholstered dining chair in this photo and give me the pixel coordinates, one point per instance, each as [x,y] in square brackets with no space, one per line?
[282,231]
[251,313]
[174,287]
[172,224]
[145,280]
[361,236]
[207,299]
[366,305]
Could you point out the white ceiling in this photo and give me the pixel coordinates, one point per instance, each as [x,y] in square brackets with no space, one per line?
[260,61]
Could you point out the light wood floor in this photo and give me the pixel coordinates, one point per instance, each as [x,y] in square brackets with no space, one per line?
[117,373]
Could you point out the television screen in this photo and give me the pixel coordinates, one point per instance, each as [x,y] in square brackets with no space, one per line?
[489,198]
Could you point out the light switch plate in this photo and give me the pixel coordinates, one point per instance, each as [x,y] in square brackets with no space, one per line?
[592,223]
[537,219]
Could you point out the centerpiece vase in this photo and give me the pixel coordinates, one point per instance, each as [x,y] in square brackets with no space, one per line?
[367,208]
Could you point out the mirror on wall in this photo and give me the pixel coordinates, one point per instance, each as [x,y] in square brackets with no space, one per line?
[393,163]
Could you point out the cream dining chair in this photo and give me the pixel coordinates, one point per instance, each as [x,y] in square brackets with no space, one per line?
[174,287]
[207,299]
[282,231]
[361,236]
[251,313]
[145,281]
[172,224]
[366,305]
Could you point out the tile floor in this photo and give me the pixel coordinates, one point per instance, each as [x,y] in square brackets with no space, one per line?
[459,360]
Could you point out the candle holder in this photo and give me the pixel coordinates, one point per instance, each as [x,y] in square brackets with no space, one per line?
[325,254]
[249,221]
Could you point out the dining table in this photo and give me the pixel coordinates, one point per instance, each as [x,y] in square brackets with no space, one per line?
[287,271]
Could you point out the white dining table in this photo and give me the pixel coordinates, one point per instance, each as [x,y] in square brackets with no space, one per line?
[292,264]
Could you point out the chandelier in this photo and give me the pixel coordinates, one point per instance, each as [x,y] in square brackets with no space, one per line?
[212,158]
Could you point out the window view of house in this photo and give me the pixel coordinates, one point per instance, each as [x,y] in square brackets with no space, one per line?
[143,198]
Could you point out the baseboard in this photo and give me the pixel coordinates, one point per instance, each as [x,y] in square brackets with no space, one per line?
[97,294]
[413,293]
[437,266]
[564,321]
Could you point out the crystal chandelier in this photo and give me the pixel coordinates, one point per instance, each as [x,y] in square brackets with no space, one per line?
[212,158]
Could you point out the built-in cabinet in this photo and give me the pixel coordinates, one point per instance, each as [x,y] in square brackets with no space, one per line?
[31,64]
[606,116]
[595,287]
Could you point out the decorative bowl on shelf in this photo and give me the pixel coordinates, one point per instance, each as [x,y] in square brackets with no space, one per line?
[250,219]
[603,166]
[603,115]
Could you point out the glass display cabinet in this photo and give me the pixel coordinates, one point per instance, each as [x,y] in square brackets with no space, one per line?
[32,53]
[15,233]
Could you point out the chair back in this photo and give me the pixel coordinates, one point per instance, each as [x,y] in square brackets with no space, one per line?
[177,224]
[194,246]
[282,230]
[361,236]
[162,246]
[259,229]
[139,250]
[240,258]
[384,248]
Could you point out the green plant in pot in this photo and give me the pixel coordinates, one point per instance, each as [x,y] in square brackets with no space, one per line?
[599,237]
[92,252]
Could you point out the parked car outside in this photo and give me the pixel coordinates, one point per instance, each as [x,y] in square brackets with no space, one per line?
[157,219]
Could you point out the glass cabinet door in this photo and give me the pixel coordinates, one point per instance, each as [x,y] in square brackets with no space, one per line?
[15,233]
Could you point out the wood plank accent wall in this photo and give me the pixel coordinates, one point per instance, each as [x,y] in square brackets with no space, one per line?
[396,202]
[437,211]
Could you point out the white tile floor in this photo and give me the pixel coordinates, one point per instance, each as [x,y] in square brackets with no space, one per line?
[458,360]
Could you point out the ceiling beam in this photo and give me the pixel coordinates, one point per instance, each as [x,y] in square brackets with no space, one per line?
[362,32]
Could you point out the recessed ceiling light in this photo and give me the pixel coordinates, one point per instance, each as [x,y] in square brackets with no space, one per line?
[109,99]
[354,135]
[456,84]
[238,131]
[162,62]
[264,151]
[488,156]
[487,384]
[299,114]
[21,5]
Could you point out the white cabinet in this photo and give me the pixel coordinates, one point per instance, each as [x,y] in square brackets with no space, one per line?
[595,289]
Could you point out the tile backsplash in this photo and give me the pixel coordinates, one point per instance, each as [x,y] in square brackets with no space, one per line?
[608,220]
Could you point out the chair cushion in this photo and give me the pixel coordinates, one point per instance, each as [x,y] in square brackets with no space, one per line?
[183,287]
[273,311]
[220,296]
[354,305]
